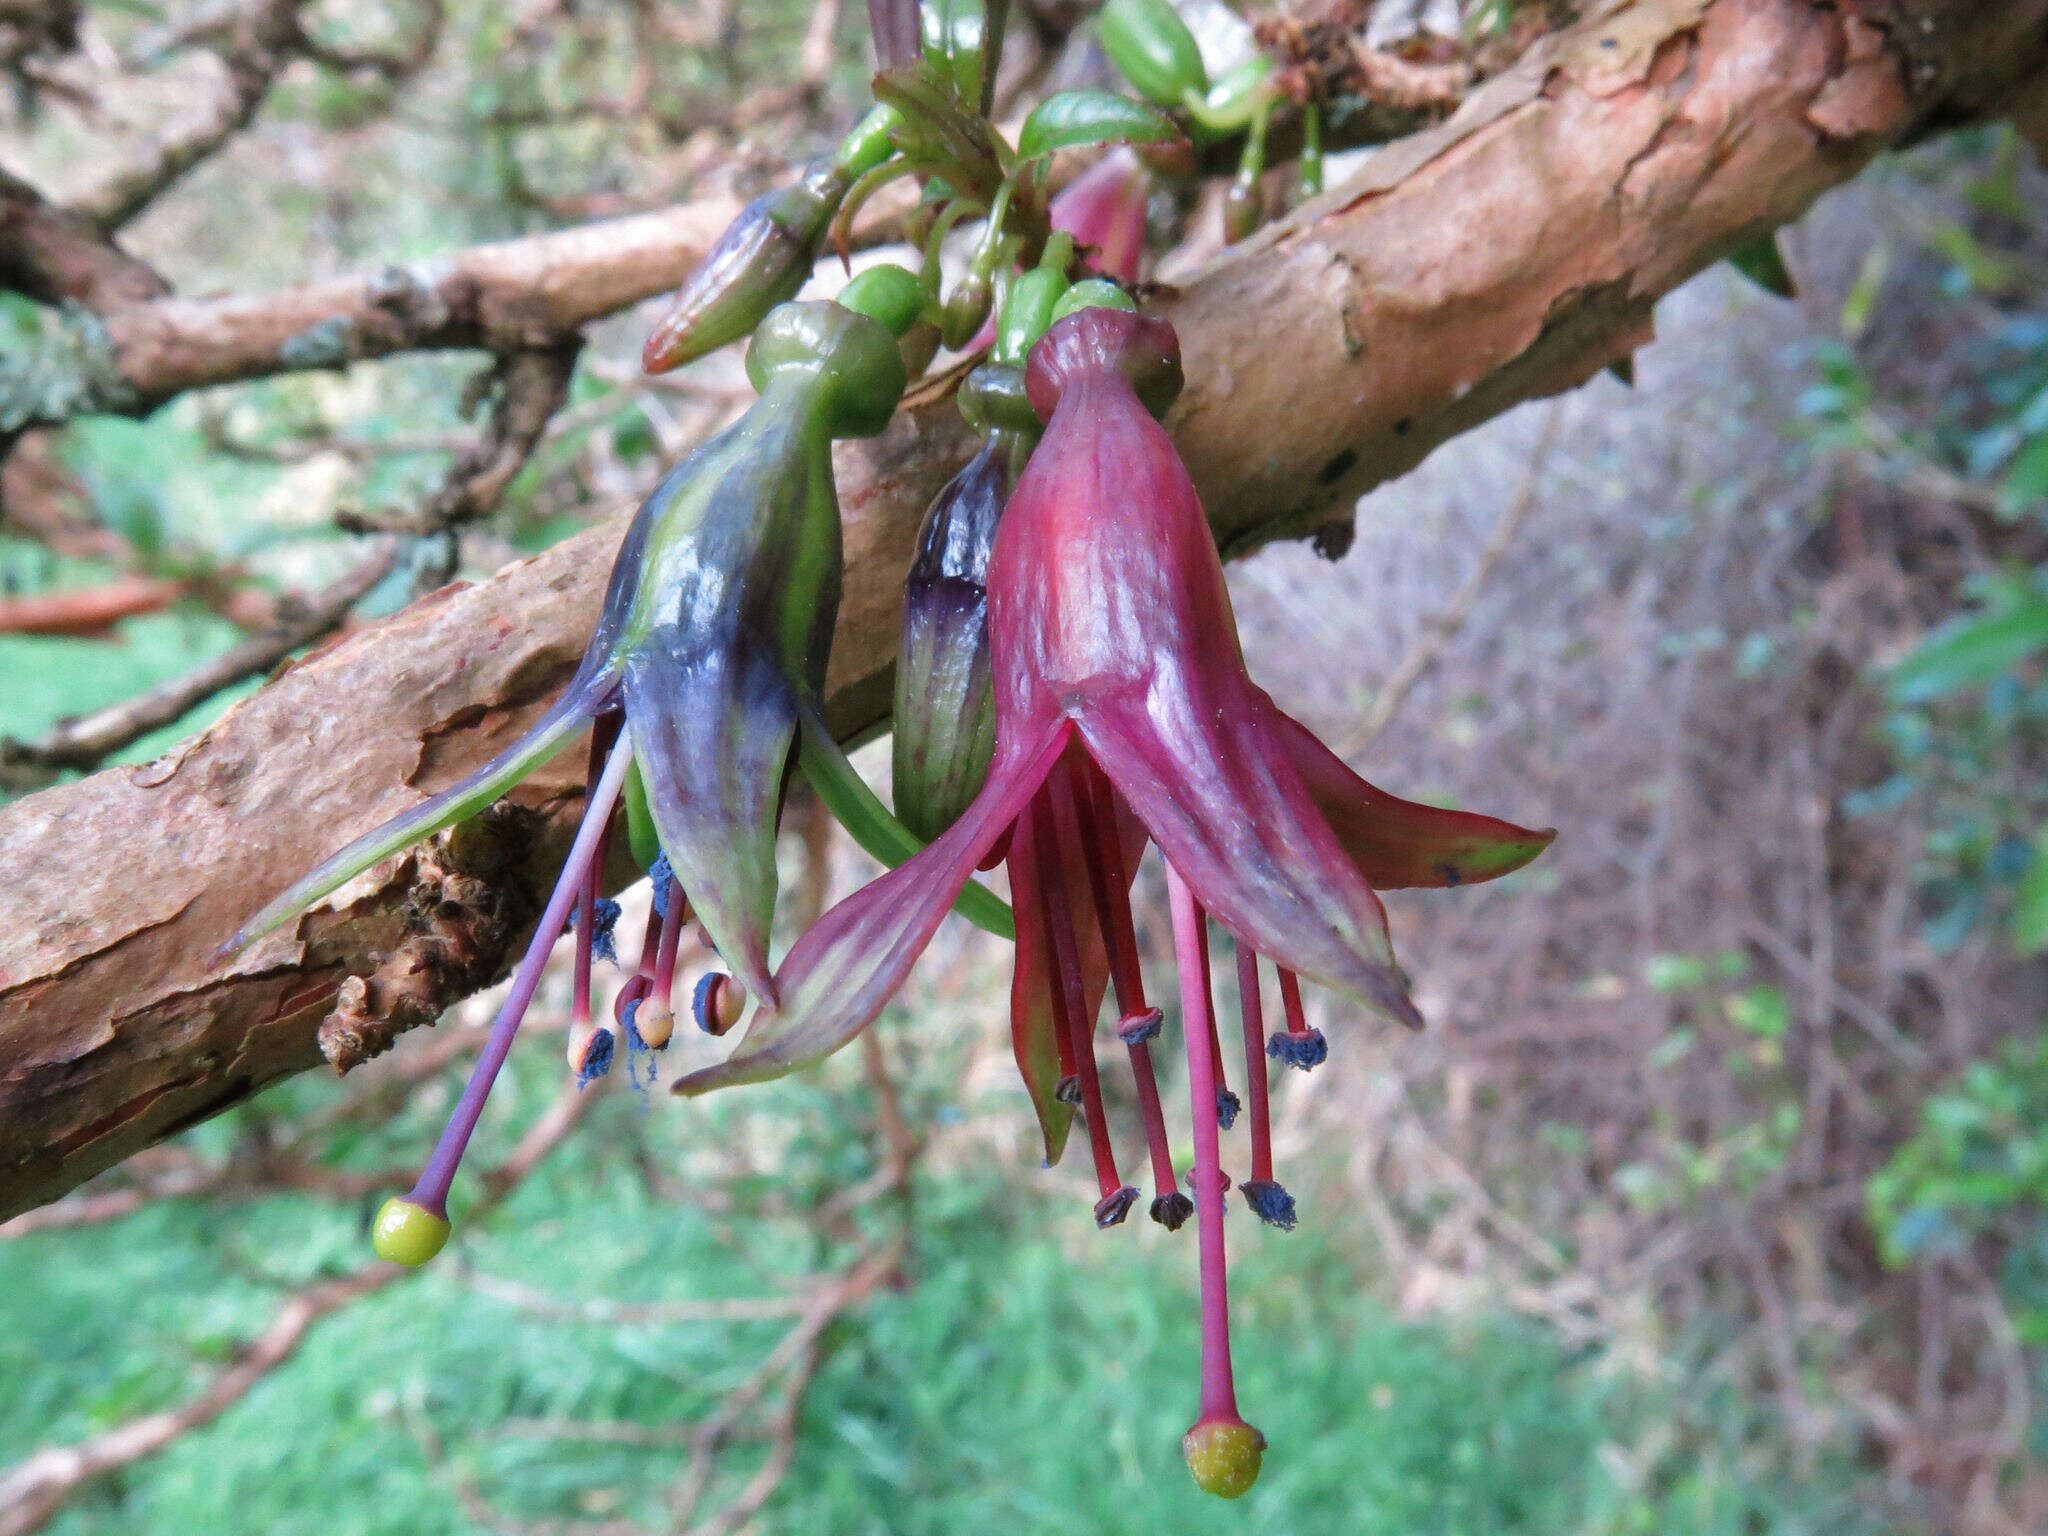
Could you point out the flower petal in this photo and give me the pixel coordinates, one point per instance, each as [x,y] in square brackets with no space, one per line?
[847,967]
[1218,792]
[1034,1028]
[1398,843]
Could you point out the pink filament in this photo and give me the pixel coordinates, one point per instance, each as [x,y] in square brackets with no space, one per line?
[1069,1002]
[1088,832]
[1255,1061]
[1191,948]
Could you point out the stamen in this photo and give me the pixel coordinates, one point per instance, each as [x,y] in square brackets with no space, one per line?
[604,731]
[1269,1201]
[431,1192]
[1069,1005]
[1190,945]
[718,1003]
[1249,1005]
[657,1015]
[1080,826]
[1299,1046]
[1227,1103]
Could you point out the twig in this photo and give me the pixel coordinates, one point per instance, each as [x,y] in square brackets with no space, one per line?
[87,740]
[56,256]
[262,41]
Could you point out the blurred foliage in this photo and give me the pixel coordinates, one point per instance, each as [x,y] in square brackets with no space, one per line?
[1031,1375]
[1970,701]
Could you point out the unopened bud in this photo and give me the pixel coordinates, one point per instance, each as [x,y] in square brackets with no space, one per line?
[966,309]
[760,261]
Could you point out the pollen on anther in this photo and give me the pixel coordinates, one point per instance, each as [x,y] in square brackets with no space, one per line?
[1304,1050]
[1270,1202]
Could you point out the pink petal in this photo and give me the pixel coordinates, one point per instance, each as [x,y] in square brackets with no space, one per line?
[1397,843]
[1034,1029]
[847,967]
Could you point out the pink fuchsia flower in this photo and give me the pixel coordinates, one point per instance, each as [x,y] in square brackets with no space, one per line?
[1124,715]
[1104,210]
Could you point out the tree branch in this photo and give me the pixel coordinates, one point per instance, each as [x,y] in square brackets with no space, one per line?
[1510,253]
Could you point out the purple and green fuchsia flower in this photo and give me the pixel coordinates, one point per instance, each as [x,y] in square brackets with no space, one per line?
[701,681]
[1123,714]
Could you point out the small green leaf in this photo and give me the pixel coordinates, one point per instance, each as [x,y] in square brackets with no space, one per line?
[1761,263]
[1971,652]
[2030,902]
[1071,119]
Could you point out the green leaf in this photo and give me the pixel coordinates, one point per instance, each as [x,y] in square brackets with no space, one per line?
[1971,652]
[1071,119]
[1761,263]
[2030,902]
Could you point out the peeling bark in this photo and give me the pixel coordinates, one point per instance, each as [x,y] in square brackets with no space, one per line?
[1508,254]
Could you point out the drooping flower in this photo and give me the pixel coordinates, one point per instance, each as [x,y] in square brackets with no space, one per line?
[705,669]
[1124,714]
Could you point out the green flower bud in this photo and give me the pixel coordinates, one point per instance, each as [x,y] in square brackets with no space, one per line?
[888,293]
[867,146]
[760,261]
[852,357]
[1091,293]
[1027,312]
[1153,49]
[967,307]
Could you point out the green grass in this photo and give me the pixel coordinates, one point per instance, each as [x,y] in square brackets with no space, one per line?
[1033,1376]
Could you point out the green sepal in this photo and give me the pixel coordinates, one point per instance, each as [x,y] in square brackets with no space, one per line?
[858,809]
[641,837]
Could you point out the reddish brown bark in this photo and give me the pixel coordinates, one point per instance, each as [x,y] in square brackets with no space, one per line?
[1510,253]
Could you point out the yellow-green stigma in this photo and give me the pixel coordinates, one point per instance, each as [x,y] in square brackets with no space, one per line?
[1224,1455]
[408,1233]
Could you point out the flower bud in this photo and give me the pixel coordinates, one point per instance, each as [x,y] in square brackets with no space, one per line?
[1152,48]
[967,307]
[760,261]
[408,1233]
[1244,209]
[945,709]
